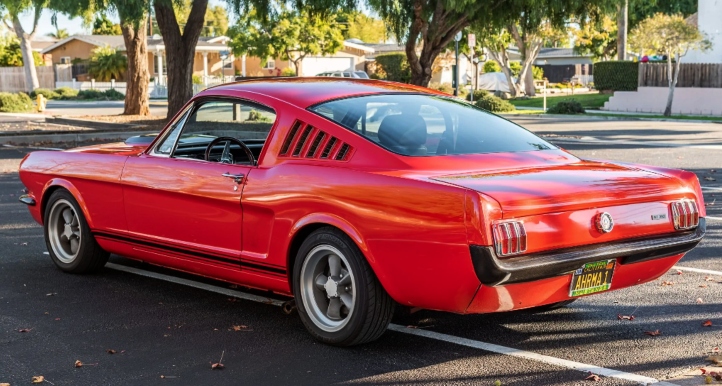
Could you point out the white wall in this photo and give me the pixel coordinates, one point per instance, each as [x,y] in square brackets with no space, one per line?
[710,22]
[687,100]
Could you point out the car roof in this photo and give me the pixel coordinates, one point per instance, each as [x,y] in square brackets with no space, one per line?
[308,91]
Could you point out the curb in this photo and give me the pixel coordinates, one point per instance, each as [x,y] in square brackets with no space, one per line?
[67,137]
[601,117]
[98,125]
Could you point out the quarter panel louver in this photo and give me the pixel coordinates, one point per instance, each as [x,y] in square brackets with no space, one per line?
[311,143]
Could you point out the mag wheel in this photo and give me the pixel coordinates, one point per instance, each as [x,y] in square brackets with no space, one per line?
[67,236]
[339,299]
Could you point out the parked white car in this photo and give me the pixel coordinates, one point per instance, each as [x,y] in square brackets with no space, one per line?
[345,74]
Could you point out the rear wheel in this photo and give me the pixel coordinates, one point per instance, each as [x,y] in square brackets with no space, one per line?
[70,244]
[339,299]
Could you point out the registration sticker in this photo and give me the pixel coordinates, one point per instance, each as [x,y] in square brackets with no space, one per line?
[592,277]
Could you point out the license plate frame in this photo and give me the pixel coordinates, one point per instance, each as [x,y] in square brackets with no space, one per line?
[592,277]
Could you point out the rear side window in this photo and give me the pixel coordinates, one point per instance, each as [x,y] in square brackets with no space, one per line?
[425,125]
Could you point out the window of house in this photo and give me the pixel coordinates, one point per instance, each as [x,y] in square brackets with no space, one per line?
[270,64]
[65,60]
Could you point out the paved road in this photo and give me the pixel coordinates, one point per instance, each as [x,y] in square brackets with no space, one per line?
[165,329]
[72,108]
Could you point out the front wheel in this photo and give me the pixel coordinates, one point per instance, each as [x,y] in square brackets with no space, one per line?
[70,244]
[339,299]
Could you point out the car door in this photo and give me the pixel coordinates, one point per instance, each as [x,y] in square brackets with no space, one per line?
[182,198]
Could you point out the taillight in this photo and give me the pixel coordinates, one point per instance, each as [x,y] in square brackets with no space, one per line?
[509,238]
[685,214]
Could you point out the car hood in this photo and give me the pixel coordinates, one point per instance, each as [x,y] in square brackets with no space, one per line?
[565,187]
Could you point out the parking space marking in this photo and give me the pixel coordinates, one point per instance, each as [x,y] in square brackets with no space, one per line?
[714,218]
[418,332]
[529,355]
[706,271]
[711,188]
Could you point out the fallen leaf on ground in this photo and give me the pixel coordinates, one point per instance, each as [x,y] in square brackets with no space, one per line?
[4,384]
[38,379]
[707,323]
[241,327]
[625,317]
[708,178]
[593,377]
[708,379]
[51,294]
[667,282]
[702,286]
[78,363]
[708,278]
[219,365]
[679,272]
[25,330]
[699,301]
[653,333]
[110,351]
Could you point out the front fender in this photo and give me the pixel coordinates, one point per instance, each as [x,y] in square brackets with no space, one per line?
[56,183]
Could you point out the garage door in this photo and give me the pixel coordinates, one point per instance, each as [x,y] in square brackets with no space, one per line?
[313,65]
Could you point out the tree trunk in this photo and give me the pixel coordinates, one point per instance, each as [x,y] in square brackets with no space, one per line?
[180,49]
[529,46]
[672,82]
[502,58]
[622,22]
[137,77]
[31,73]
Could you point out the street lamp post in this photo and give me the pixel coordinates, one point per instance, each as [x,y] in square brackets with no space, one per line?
[456,66]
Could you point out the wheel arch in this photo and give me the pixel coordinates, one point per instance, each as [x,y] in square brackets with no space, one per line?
[307,225]
[57,184]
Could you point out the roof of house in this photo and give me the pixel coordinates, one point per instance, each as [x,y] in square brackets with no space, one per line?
[384,48]
[41,42]
[546,53]
[216,43]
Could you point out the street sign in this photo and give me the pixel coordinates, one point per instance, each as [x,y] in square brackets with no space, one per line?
[472,40]
[458,36]
[223,54]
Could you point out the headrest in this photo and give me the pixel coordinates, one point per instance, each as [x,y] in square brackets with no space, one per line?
[406,130]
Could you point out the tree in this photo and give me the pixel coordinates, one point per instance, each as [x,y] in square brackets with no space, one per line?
[11,55]
[290,35]
[60,33]
[497,42]
[491,66]
[363,27]
[216,18]
[672,36]
[14,8]
[104,26]
[599,40]
[106,63]
[180,45]
[622,25]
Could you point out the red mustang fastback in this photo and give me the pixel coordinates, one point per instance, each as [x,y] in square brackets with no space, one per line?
[354,196]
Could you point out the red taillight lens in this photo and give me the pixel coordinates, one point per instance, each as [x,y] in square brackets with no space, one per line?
[685,214]
[509,238]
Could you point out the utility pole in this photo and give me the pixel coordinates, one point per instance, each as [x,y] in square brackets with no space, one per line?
[472,43]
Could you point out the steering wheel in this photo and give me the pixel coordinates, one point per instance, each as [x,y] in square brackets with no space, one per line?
[226,156]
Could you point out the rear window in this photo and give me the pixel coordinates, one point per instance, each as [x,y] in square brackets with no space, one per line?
[426,125]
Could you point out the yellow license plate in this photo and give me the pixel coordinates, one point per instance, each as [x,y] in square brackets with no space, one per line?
[592,277]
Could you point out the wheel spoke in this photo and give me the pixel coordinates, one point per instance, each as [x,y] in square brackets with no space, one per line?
[334,308]
[74,243]
[346,279]
[334,265]
[68,215]
[321,280]
[347,300]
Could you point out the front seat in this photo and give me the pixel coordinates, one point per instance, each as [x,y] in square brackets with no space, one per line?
[403,133]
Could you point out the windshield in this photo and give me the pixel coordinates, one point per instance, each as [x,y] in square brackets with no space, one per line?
[423,125]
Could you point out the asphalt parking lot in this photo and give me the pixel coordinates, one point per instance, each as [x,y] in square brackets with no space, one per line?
[169,332]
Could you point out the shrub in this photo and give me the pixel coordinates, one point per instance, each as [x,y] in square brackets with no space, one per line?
[256,116]
[393,67]
[90,94]
[15,103]
[515,68]
[106,63]
[47,93]
[478,94]
[567,107]
[616,75]
[491,66]
[443,87]
[537,72]
[196,79]
[494,104]
[66,92]
[114,95]
[288,71]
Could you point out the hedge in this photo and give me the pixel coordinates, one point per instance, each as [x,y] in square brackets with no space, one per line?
[393,67]
[567,107]
[616,75]
[16,103]
[494,104]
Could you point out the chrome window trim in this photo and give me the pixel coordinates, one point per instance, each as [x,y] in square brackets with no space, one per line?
[180,121]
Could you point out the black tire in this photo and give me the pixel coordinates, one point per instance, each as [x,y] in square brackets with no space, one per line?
[551,307]
[88,257]
[372,306]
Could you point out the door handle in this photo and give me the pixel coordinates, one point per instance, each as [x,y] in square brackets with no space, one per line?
[236,177]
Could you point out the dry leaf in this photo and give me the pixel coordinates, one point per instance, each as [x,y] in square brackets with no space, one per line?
[653,333]
[78,363]
[699,301]
[702,286]
[679,272]
[4,384]
[666,282]
[241,327]
[708,278]
[219,365]
[51,294]
[708,178]
[25,330]
[110,351]
[593,377]
[707,323]
[38,379]
[708,380]
[625,317]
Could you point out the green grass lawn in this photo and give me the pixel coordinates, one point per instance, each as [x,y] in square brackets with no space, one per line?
[588,101]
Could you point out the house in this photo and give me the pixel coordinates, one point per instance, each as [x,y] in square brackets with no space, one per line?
[560,64]
[212,57]
[707,19]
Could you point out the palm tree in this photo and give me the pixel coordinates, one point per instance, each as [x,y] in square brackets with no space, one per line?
[106,63]
[60,33]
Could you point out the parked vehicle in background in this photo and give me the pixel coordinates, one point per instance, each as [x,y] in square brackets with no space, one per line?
[345,74]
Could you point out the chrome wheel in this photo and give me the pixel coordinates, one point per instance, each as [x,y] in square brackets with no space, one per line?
[64,231]
[328,288]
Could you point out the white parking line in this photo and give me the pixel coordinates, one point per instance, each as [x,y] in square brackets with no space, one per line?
[711,188]
[418,332]
[714,218]
[706,271]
